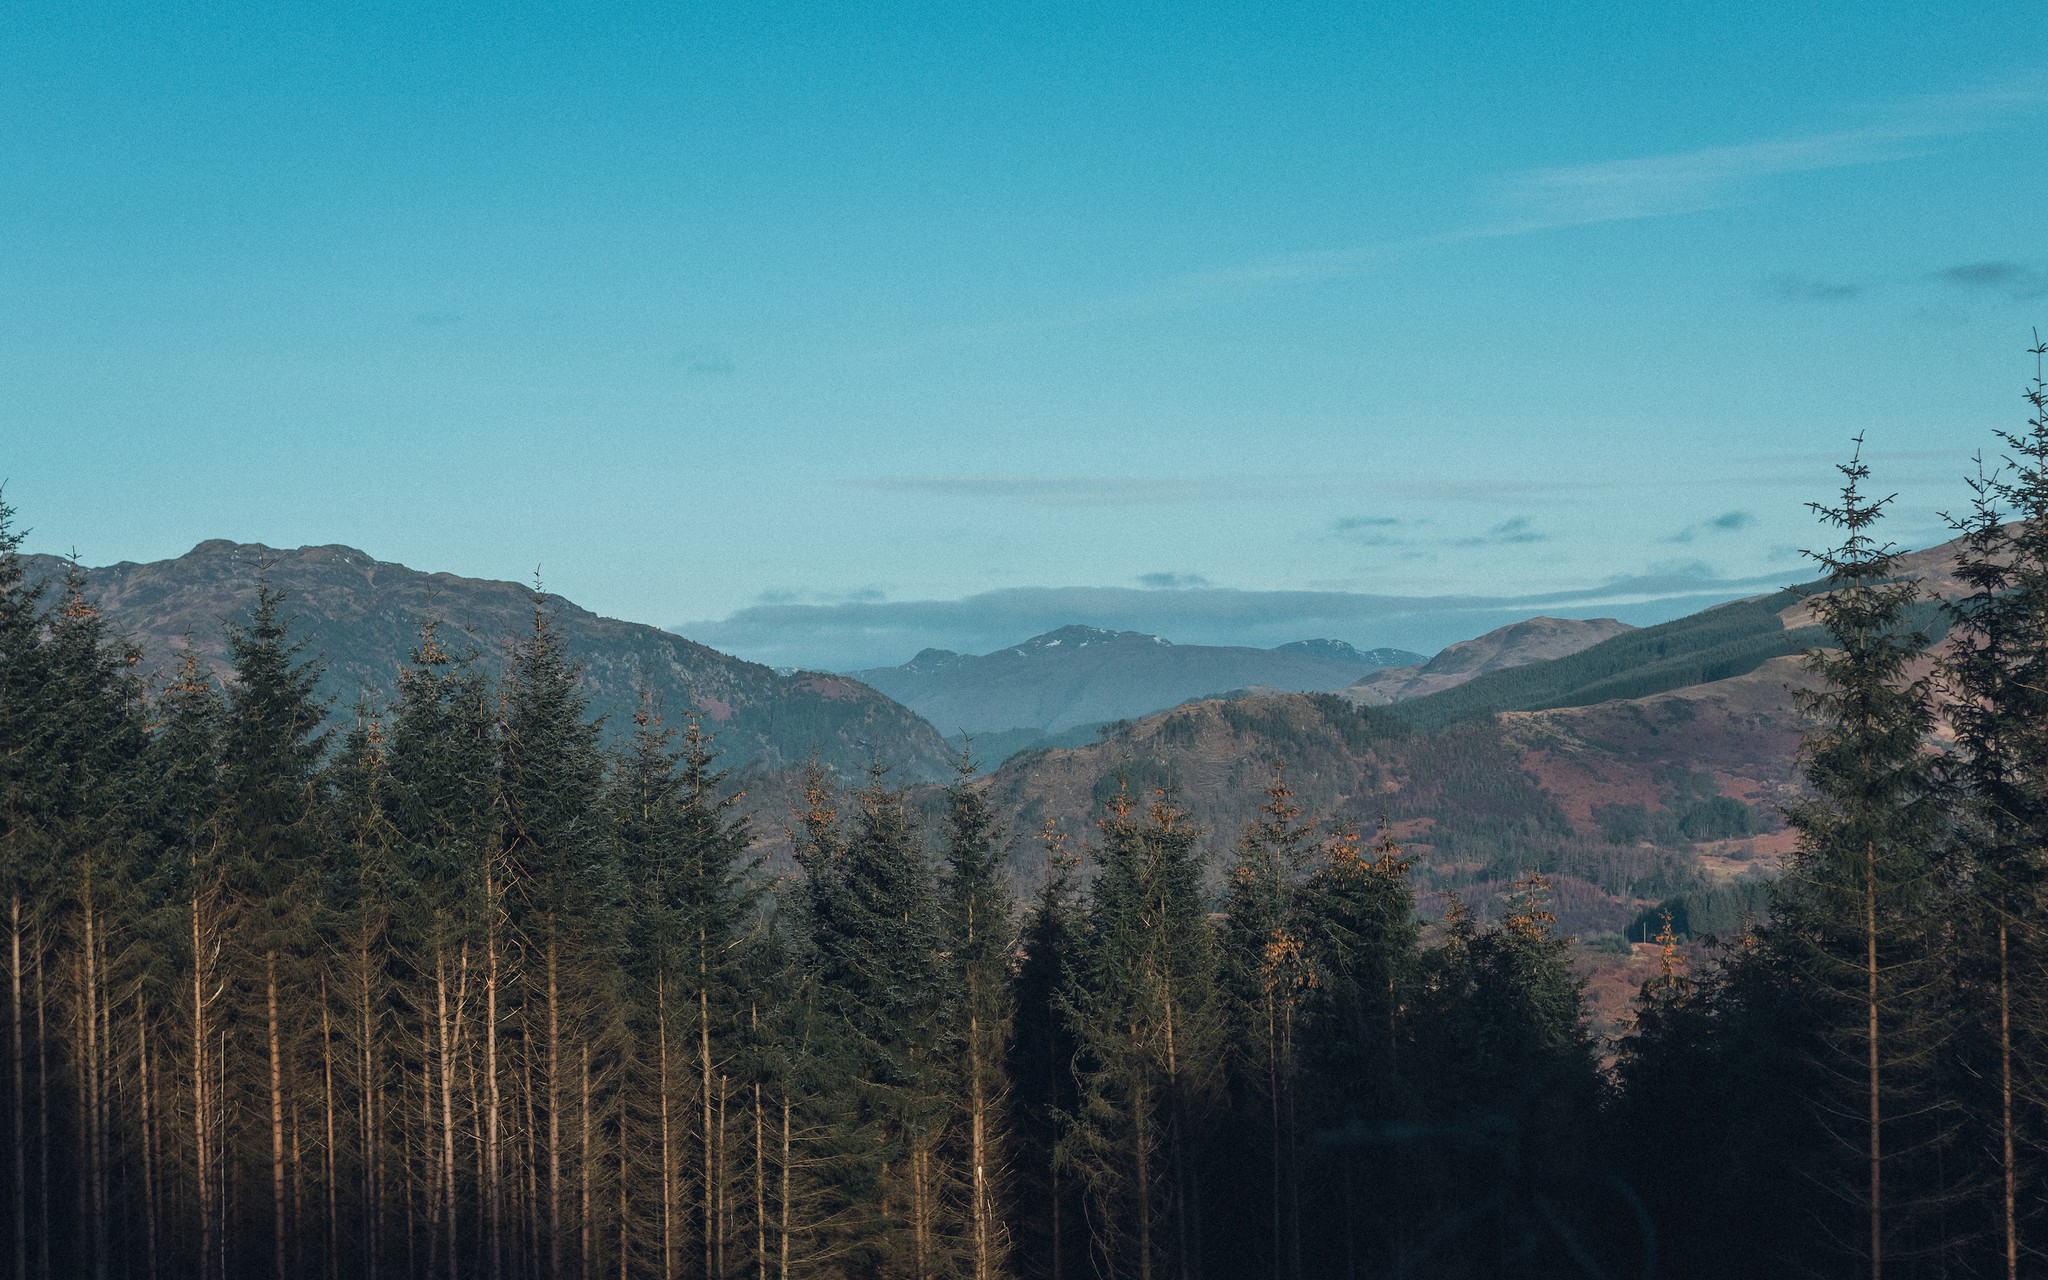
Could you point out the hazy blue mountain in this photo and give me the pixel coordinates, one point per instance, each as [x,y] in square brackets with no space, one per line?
[360,617]
[1086,675]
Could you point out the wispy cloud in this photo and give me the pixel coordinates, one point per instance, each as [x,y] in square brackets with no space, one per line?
[1559,197]
[1727,522]
[1796,287]
[2012,279]
[1172,581]
[857,634]
[1072,491]
[1506,533]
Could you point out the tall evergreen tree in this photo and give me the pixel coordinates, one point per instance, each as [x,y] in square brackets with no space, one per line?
[1994,670]
[1859,910]
[1267,975]
[979,928]
[560,880]
[271,824]
[1046,1209]
[872,937]
[1150,1028]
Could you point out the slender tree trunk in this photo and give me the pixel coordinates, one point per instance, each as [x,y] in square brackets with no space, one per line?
[589,1266]
[18,1130]
[82,1166]
[1876,1102]
[1141,1143]
[333,1187]
[430,1166]
[554,1111]
[373,1192]
[978,1137]
[493,1195]
[1273,1101]
[42,1107]
[704,1092]
[760,1188]
[2008,1161]
[450,1025]
[276,1122]
[95,1092]
[147,1103]
[668,1178]
[782,1206]
[625,1239]
[724,1183]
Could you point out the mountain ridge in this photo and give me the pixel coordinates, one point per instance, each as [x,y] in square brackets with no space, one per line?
[1078,675]
[360,616]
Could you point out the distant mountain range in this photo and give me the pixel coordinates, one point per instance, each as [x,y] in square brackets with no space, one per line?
[1077,676]
[360,617]
[1533,640]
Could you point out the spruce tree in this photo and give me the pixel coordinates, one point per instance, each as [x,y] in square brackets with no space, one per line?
[1046,1214]
[979,927]
[271,824]
[562,887]
[1267,975]
[1994,671]
[1362,936]
[1150,1027]
[872,935]
[1858,914]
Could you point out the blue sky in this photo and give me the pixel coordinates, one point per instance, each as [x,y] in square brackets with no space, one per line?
[771,319]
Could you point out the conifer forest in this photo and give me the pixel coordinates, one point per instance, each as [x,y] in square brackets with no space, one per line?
[471,985]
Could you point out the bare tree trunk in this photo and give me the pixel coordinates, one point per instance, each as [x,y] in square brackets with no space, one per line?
[554,1111]
[276,1121]
[450,1027]
[724,1181]
[760,1188]
[18,1129]
[333,1189]
[589,1265]
[493,1193]
[373,1191]
[202,1138]
[1273,1101]
[42,1105]
[95,1092]
[625,1240]
[977,1115]
[668,1178]
[782,1207]
[1876,1103]
[2012,1233]
[149,1138]
[1142,1149]
[429,1158]
[704,1091]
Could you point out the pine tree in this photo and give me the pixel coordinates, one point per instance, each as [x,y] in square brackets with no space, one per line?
[1150,1030]
[1994,670]
[561,885]
[1268,975]
[979,926]
[271,824]
[27,718]
[1858,911]
[1362,937]
[871,940]
[1046,1218]
[435,904]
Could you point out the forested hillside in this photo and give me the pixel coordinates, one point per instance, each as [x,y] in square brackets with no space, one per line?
[360,616]
[464,986]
